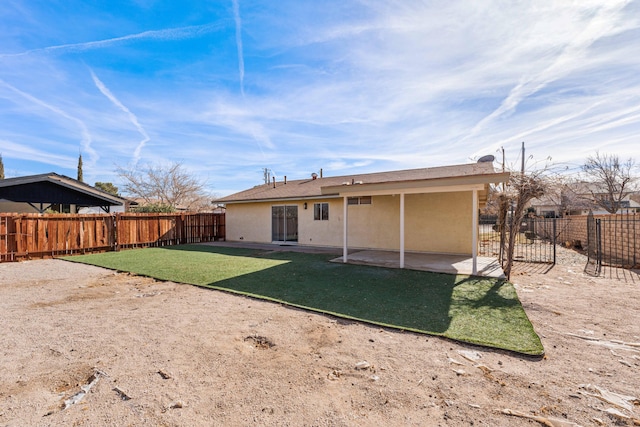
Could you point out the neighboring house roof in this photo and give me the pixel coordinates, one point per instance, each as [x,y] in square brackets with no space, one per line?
[54,188]
[584,195]
[332,186]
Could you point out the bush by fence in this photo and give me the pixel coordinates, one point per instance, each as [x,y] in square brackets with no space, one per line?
[25,236]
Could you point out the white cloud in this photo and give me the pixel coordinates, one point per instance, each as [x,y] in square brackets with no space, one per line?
[354,86]
[605,22]
[85,141]
[24,152]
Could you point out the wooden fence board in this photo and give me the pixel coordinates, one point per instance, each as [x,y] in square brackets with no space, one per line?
[26,236]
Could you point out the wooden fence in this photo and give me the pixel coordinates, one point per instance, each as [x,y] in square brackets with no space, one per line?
[27,236]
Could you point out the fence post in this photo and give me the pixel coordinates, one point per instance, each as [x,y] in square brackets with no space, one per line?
[114,232]
[554,241]
[18,235]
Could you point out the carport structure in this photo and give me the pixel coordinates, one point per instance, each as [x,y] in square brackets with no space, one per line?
[45,190]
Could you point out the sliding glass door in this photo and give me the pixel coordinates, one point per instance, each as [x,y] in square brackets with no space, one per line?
[284,223]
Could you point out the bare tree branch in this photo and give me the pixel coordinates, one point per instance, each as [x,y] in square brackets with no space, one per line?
[612,180]
[169,186]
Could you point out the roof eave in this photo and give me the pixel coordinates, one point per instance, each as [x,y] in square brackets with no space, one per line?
[278,199]
[399,186]
[113,200]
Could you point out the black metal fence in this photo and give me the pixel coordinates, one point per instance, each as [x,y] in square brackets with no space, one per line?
[607,240]
[535,240]
[594,246]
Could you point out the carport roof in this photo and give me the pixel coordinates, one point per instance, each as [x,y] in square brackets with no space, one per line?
[54,188]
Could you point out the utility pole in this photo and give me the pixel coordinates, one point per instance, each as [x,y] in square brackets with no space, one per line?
[522,168]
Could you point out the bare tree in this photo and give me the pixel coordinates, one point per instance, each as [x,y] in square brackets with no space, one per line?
[612,180]
[165,187]
[521,189]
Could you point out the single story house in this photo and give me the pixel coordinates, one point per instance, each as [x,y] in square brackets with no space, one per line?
[37,193]
[433,210]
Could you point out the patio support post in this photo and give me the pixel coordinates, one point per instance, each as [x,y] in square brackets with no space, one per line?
[401,230]
[474,232]
[345,214]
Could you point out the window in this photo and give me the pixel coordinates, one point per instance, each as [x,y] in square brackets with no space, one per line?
[362,200]
[321,211]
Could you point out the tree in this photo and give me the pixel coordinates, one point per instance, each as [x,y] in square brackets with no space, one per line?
[514,199]
[107,187]
[1,168]
[612,180]
[165,186]
[80,178]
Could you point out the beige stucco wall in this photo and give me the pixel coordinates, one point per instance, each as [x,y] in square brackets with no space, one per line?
[376,225]
[249,222]
[435,222]
[320,233]
[439,222]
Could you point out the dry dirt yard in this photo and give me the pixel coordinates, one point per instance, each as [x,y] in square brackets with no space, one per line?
[86,346]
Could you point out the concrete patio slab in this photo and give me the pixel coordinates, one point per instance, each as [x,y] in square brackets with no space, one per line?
[439,263]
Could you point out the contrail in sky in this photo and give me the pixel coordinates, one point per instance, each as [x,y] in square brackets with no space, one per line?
[166,34]
[85,142]
[132,117]
[236,15]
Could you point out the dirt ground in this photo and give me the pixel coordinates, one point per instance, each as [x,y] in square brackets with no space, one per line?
[86,346]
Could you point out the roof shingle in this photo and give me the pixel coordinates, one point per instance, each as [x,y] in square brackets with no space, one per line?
[307,188]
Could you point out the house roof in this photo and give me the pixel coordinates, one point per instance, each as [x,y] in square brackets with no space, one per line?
[54,188]
[483,173]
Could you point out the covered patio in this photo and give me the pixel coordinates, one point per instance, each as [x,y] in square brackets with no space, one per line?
[438,263]
[468,186]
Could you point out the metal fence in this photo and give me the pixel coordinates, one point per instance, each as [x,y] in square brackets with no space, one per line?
[607,240]
[535,240]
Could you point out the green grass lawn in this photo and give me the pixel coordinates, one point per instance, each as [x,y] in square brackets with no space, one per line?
[477,310]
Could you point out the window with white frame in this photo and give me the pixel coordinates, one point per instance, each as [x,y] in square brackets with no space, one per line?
[321,211]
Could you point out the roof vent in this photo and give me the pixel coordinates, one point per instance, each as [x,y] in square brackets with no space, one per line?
[314,176]
[489,158]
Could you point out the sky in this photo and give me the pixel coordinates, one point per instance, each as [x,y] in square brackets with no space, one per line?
[228,88]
